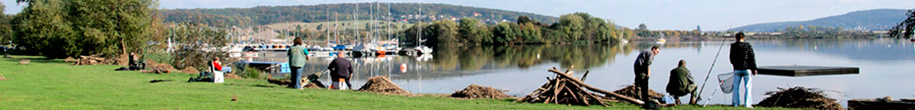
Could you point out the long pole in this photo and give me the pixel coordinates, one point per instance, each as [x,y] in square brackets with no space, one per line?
[419,33]
[712,67]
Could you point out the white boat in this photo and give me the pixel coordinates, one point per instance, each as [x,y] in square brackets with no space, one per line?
[422,49]
[661,40]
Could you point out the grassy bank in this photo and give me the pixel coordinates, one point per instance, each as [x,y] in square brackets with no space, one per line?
[53,84]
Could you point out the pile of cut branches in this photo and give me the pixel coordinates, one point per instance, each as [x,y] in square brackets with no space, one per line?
[565,89]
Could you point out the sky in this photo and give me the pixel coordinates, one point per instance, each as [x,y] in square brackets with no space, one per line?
[656,14]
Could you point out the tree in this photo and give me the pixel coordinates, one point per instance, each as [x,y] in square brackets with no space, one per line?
[195,37]
[41,30]
[61,28]
[446,31]
[905,28]
[642,27]
[6,31]
[503,33]
[525,19]
[531,33]
[643,30]
[572,25]
[468,28]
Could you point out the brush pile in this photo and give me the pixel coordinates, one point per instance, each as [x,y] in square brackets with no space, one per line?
[631,91]
[800,97]
[155,67]
[286,82]
[477,91]
[24,61]
[91,60]
[565,89]
[383,85]
[232,76]
[190,70]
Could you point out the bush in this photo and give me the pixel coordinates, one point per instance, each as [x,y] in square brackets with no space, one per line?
[251,73]
[159,56]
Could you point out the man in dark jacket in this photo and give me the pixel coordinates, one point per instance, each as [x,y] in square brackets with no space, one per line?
[681,83]
[341,68]
[642,72]
[744,61]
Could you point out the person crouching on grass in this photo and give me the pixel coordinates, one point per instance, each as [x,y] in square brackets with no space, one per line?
[681,83]
[340,72]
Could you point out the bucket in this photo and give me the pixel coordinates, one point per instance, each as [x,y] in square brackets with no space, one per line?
[340,84]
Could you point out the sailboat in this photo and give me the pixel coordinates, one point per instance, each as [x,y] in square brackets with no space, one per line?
[421,49]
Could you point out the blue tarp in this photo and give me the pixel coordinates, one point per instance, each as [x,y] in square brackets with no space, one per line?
[340,47]
[285,68]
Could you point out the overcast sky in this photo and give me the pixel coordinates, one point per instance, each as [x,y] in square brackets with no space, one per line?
[656,14]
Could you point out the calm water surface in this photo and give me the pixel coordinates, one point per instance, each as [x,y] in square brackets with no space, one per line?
[886,66]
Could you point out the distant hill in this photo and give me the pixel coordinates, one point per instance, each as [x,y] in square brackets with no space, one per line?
[875,19]
[263,15]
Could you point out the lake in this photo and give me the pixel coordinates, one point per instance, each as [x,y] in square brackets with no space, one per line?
[886,66]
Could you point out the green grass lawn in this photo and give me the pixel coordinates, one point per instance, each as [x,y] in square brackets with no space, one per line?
[54,84]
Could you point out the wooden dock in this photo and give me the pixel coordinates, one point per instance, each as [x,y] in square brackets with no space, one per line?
[798,70]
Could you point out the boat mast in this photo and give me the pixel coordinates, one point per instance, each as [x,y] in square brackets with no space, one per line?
[419,34]
[389,25]
[356,21]
[336,35]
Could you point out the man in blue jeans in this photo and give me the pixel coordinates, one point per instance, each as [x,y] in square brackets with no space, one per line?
[744,61]
[297,56]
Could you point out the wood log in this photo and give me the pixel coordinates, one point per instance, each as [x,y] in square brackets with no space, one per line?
[589,87]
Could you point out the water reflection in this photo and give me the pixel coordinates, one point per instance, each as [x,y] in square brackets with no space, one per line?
[876,50]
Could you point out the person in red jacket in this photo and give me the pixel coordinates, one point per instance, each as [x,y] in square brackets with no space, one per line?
[216,64]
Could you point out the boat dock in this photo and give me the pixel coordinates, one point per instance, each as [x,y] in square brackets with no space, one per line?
[798,70]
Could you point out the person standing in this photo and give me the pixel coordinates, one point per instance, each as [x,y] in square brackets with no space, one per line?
[681,83]
[297,55]
[340,71]
[642,72]
[744,61]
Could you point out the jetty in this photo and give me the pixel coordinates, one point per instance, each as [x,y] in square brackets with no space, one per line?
[799,70]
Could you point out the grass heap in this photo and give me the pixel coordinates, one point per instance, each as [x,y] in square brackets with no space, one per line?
[477,91]
[383,85]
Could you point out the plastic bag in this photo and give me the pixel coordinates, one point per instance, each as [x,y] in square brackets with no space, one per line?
[726,82]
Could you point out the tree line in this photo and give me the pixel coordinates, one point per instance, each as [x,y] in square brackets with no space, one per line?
[571,28]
